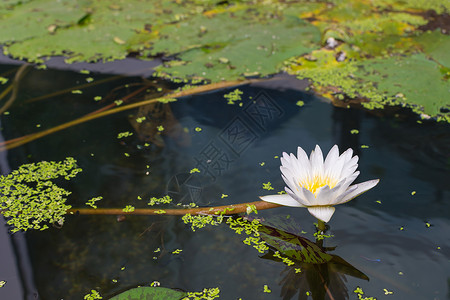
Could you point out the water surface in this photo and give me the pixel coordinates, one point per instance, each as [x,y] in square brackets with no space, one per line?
[397,233]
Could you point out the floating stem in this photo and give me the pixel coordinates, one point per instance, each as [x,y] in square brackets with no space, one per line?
[216,210]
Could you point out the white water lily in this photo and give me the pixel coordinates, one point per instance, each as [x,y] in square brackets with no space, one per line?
[317,184]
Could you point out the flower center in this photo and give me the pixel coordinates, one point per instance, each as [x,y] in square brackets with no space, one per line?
[316,182]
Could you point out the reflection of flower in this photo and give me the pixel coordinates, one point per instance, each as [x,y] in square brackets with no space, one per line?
[309,265]
[317,184]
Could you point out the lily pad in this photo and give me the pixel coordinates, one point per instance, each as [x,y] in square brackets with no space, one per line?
[229,46]
[437,46]
[415,81]
[150,293]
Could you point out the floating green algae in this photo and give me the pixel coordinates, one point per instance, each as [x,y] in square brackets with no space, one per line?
[29,197]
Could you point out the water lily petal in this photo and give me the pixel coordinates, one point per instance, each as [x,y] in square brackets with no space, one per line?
[289,162]
[316,160]
[350,167]
[301,154]
[298,196]
[335,169]
[303,165]
[283,199]
[360,188]
[323,213]
[347,154]
[325,195]
[342,186]
[290,183]
[332,157]
[306,196]
[342,194]
[286,161]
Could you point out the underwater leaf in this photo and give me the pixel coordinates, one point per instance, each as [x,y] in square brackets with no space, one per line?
[294,246]
[339,265]
[150,293]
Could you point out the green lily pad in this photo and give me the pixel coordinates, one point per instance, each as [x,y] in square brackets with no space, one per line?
[33,20]
[415,81]
[229,46]
[150,293]
[436,45]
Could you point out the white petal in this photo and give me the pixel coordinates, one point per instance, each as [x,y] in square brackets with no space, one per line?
[347,154]
[322,213]
[283,199]
[298,197]
[286,160]
[349,167]
[303,165]
[332,157]
[301,154]
[316,160]
[325,196]
[342,186]
[335,169]
[360,188]
[340,196]
[289,179]
[307,195]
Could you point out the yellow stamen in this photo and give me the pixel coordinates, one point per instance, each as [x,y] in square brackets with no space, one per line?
[313,184]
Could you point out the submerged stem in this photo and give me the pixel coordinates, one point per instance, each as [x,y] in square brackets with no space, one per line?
[177,94]
[216,210]
[321,225]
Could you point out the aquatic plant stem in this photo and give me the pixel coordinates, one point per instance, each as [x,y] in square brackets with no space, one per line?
[23,69]
[195,90]
[216,210]
[321,225]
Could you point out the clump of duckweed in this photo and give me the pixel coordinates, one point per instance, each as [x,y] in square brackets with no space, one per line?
[167,100]
[206,294]
[194,170]
[198,222]
[163,200]
[30,198]
[240,225]
[128,208]
[91,202]
[251,209]
[320,236]
[360,294]
[267,186]
[233,96]
[93,295]
[284,259]
[124,134]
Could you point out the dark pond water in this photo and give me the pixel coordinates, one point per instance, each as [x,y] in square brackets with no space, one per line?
[397,234]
